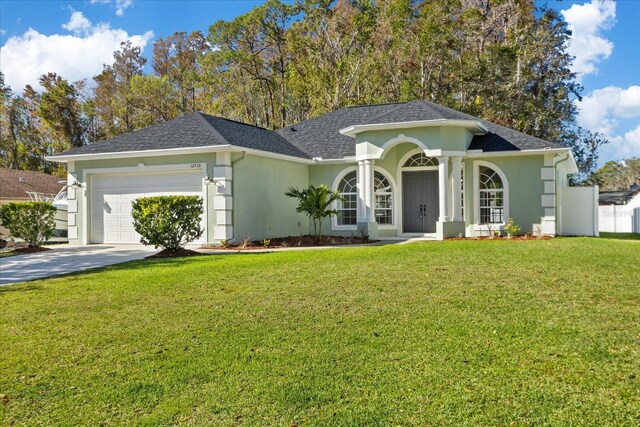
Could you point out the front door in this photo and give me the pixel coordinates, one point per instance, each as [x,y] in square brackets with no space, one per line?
[419,201]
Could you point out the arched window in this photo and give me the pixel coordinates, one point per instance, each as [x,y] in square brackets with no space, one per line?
[491,196]
[348,209]
[384,199]
[420,160]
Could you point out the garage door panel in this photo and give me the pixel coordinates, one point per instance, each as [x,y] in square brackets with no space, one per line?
[112,196]
[113,222]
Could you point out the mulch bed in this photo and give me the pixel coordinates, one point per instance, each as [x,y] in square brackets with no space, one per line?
[294,242]
[31,249]
[502,238]
[167,253]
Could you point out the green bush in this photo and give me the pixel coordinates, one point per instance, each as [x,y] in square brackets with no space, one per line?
[512,228]
[33,222]
[169,222]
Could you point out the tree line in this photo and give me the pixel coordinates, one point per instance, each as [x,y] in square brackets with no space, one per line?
[502,60]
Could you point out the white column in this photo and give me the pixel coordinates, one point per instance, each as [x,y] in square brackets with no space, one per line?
[443,178]
[456,188]
[222,198]
[72,202]
[362,197]
[370,196]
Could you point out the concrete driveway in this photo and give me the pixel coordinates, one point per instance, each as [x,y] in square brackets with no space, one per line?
[67,259]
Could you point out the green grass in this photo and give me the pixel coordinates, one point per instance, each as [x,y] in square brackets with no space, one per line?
[620,236]
[6,254]
[434,333]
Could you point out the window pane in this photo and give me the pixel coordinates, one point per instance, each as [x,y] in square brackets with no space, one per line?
[419,160]
[489,179]
[347,210]
[491,207]
[383,199]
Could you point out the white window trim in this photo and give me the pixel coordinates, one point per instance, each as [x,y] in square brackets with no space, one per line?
[394,198]
[476,196]
[334,218]
[394,189]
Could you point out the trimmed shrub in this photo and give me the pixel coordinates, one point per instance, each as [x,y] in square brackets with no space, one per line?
[512,228]
[169,222]
[34,222]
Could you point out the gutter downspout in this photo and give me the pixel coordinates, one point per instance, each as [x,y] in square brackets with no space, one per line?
[233,191]
[558,208]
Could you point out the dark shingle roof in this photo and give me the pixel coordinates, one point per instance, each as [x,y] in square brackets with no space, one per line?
[618,197]
[15,184]
[318,137]
[194,130]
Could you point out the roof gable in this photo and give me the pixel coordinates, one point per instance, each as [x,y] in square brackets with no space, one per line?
[320,136]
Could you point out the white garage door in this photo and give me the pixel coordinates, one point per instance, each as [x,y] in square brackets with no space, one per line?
[111,197]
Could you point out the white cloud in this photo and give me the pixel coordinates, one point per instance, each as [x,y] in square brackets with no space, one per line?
[602,108]
[605,110]
[631,144]
[78,23]
[586,22]
[120,5]
[23,59]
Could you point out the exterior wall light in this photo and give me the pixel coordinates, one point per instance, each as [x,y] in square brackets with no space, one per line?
[208,180]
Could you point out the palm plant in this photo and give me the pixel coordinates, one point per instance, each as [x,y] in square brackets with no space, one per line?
[315,202]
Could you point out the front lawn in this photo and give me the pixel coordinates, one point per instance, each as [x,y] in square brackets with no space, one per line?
[433,333]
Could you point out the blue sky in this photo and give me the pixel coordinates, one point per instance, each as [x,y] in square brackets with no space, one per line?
[74,38]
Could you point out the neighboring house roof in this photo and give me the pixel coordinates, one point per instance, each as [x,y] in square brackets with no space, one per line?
[318,137]
[15,184]
[619,197]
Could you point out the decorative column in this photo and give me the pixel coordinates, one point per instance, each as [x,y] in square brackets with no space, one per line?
[362,196]
[72,205]
[369,192]
[223,199]
[443,178]
[456,188]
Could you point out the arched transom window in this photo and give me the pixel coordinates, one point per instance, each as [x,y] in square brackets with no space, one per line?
[348,209]
[491,196]
[420,160]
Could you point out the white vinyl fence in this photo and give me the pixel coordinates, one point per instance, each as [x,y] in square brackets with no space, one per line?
[579,211]
[619,219]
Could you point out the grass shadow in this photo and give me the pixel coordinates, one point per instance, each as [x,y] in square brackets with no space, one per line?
[20,287]
[126,265]
[620,236]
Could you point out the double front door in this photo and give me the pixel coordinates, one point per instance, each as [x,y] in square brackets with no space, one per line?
[419,201]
